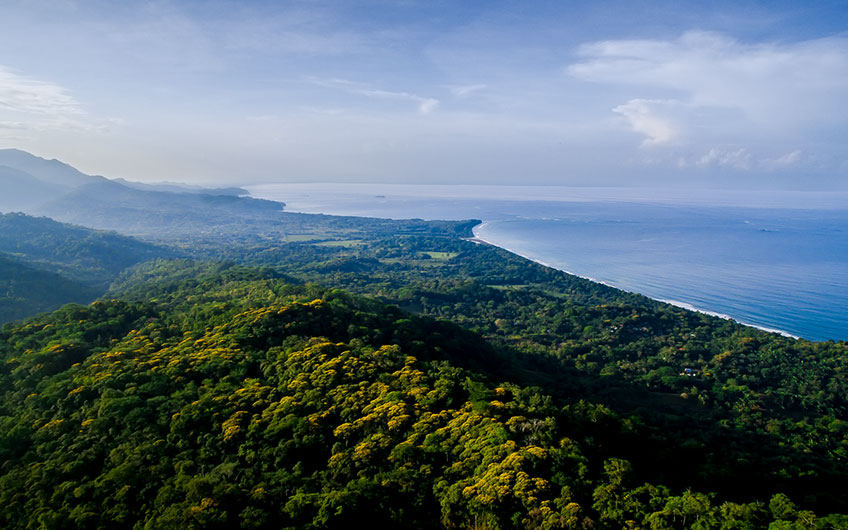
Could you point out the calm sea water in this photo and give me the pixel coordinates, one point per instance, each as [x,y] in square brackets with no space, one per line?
[777,261]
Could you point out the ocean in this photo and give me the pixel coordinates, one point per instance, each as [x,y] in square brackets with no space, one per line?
[777,261]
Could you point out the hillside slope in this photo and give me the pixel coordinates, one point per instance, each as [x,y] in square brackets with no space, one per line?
[250,404]
[26,290]
[163,212]
[45,264]
[89,256]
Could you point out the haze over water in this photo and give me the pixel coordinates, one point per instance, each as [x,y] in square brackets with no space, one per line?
[774,260]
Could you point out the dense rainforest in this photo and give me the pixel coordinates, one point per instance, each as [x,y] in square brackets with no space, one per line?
[311,371]
[233,398]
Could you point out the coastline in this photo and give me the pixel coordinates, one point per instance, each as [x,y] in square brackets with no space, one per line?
[683,305]
[690,307]
[477,239]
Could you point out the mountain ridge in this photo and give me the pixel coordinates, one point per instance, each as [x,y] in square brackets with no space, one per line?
[42,187]
[52,171]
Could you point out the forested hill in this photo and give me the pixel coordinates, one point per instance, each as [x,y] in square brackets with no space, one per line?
[725,408]
[91,256]
[26,290]
[233,399]
[45,264]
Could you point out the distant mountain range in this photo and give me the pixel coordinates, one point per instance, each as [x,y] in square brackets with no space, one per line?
[37,186]
[28,181]
[54,172]
[182,188]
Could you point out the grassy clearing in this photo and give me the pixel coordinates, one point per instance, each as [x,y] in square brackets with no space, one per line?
[347,243]
[421,263]
[439,255]
[296,238]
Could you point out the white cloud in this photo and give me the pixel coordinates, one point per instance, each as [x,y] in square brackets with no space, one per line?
[643,117]
[16,125]
[789,158]
[735,158]
[740,158]
[19,93]
[281,35]
[726,91]
[323,111]
[425,105]
[783,161]
[32,108]
[464,91]
[715,70]
[428,105]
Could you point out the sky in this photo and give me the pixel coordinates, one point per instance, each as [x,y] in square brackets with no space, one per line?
[723,94]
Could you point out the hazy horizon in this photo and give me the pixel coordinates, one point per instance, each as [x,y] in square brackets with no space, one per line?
[316,197]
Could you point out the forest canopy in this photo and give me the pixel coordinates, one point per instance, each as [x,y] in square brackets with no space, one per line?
[210,396]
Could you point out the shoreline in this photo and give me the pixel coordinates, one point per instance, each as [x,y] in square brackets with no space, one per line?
[690,307]
[479,240]
[476,239]
[683,305]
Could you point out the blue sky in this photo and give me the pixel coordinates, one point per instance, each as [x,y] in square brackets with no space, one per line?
[606,93]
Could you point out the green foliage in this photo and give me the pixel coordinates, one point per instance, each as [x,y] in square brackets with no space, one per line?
[114,418]
[693,384]
[222,397]
[87,256]
[25,290]
[45,264]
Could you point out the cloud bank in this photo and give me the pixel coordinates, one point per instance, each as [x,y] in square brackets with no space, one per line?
[30,107]
[704,90]
[23,94]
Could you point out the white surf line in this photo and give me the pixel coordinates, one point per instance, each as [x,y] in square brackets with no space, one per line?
[690,307]
[682,305]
